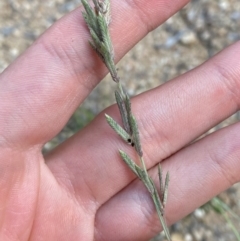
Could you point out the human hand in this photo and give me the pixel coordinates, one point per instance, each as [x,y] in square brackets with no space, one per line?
[82,190]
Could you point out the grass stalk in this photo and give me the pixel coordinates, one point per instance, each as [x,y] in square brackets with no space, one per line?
[98,20]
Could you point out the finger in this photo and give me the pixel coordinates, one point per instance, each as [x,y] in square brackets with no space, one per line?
[197,173]
[43,87]
[169,117]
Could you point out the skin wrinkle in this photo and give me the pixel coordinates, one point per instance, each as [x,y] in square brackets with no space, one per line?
[49,48]
[149,127]
[90,207]
[19,184]
[66,60]
[93,199]
[70,101]
[221,167]
[4,142]
[19,91]
[146,123]
[228,79]
[70,187]
[68,211]
[213,153]
[147,210]
[143,17]
[100,160]
[155,133]
[158,137]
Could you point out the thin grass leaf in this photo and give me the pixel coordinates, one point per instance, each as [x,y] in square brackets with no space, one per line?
[108,51]
[160,211]
[117,128]
[100,22]
[100,48]
[137,170]
[160,176]
[217,202]
[148,182]
[123,111]
[104,32]
[89,11]
[141,173]
[166,189]
[128,109]
[131,164]
[136,138]
[110,65]
[96,41]
[155,193]
[222,208]
[231,225]
[90,17]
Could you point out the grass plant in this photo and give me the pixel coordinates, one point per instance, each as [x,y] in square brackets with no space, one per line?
[97,18]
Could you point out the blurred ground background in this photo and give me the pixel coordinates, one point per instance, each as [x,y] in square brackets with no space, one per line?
[193,35]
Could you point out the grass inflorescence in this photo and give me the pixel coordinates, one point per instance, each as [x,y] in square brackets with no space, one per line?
[97,19]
